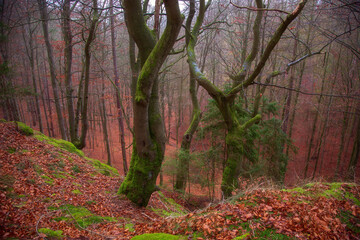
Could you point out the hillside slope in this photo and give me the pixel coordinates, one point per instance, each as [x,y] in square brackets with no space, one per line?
[49,189]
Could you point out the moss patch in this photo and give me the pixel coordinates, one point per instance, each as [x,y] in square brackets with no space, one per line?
[130,227]
[81,216]
[173,209]
[60,143]
[102,167]
[352,222]
[25,129]
[158,236]
[6,182]
[48,179]
[57,234]
[329,190]
[76,191]
[242,236]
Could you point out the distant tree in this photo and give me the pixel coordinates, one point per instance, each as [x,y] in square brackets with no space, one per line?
[43,9]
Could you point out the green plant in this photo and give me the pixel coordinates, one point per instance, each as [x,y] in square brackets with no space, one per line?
[158,236]
[48,179]
[76,169]
[11,150]
[6,181]
[76,191]
[58,234]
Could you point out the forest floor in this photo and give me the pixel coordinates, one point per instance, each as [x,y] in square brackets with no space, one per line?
[50,190]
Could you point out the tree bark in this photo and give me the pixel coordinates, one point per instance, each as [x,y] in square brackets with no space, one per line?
[67,36]
[117,84]
[87,52]
[149,137]
[44,21]
[182,169]
[225,101]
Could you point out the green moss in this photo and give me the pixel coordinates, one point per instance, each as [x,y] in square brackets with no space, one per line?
[59,176]
[295,190]
[60,143]
[81,215]
[11,150]
[176,209]
[103,168]
[6,182]
[24,129]
[352,222]
[242,236]
[130,227]
[90,202]
[158,236]
[48,179]
[76,169]
[51,233]
[76,191]
[38,169]
[2,120]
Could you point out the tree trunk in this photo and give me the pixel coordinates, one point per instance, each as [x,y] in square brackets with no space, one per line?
[182,169]
[67,36]
[104,126]
[116,76]
[87,53]
[355,155]
[44,20]
[225,100]
[314,126]
[149,137]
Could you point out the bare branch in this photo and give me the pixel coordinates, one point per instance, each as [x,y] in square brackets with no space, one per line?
[354,96]
[259,9]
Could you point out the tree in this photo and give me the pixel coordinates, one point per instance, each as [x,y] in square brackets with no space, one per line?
[149,133]
[117,84]
[44,21]
[225,99]
[191,39]
[86,68]
[67,36]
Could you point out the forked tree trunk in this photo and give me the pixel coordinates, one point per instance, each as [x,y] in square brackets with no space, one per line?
[149,134]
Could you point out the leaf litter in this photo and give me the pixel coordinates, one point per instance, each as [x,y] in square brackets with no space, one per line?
[41,187]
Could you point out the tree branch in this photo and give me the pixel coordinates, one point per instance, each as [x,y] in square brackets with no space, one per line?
[259,9]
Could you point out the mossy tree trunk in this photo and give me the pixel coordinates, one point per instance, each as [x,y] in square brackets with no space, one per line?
[182,169]
[225,100]
[149,133]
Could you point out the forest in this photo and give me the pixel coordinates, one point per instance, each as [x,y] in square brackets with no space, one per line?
[201,97]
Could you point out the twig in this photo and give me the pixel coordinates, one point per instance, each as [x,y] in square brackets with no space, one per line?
[259,9]
[355,96]
[152,219]
[37,224]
